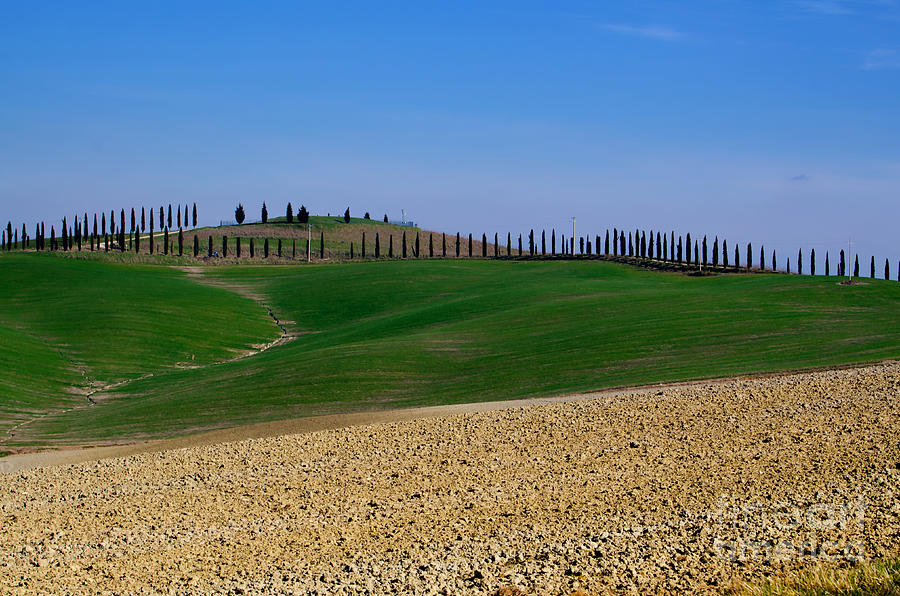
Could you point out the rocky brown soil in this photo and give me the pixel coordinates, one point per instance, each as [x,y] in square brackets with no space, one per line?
[688,489]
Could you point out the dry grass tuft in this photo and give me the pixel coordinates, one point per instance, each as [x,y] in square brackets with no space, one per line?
[868,577]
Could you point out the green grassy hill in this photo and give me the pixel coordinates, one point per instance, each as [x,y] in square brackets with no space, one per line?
[395,334]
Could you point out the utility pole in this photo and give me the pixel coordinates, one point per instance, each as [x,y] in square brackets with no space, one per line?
[849,259]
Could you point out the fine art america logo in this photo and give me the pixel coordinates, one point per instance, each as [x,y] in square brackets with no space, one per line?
[818,529]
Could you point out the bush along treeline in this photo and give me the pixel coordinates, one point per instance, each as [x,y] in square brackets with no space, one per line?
[125,230]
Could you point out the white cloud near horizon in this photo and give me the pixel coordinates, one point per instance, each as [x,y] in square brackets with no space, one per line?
[881,59]
[658,32]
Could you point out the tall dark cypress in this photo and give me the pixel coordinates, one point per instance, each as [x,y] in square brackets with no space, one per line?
[443,244]
[377,246]
[737,257]
[65,234]
[122,231]
[391,246]
[615,242]
[543,242]
[553,241]
[180,243]
[872,268]
[606,244]
[622,243]
[749,255]
[672,244]
[52,239]
[724,253]
[351,251]
[483,245]
[887,269]
[137,242]
[418,253]
[279,248]
[856,266]
[252,248]
[630,245]
[266,248]
[531,242]
[687,248]
[705,260]
[237,247]
[774,261]
[715,253]
[496,245]
[762,258]
[812,262]
[133,221]
[842,265]
[150,240]
[431,245]
[403,248]
[166,241]
[169,220]
[196,246]
[457,245]
[363,246]
[194,217]
[179,216]
[470,244]
[696,255]
[162,220]
[581,244]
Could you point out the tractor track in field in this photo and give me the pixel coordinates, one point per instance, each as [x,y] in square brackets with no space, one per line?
[92,388]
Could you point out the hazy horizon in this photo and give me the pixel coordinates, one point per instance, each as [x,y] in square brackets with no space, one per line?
[773,123]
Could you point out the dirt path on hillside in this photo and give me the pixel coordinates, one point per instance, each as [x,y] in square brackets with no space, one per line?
[678,489]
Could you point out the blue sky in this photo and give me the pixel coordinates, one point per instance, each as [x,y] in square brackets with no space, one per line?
[770,122]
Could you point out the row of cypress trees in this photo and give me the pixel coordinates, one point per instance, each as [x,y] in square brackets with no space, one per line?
[76,234]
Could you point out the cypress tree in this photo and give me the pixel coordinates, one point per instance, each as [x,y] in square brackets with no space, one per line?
[137,242]
[543,242]
[687,247]
[696,255]
[161,218]
[347,215]
[196,246]
[237,247]
[762,258]
[377,246]
[597,245]
[520,245]
[715,253]
[151,239]
[351,250]
[842,265]
[508,244]
[431,245]
[264,214]
[672,245]
[194,216]
[303,215]
[166,241]
[622,243]
[443,244]
[169,220]
[856,266]
[180,240]
[749,255]
[65,235]
[470,244]
[660,252]
[185,215]
[812,262]
[737,257]
[650,245]
[95,235]
[887,269]
[457,245]
[630,245]
[252,248]
[531,242]
[789,265]
[385,218]
[122,232]
[179,217]
[322,244]
[581,244]
[606,244]
[496,245]
[418,252]
[564,248]
[774,261]
[724,253]
[483,245]
[872,268]
[705,261]
[279,248]
[403,248]
[265,248]
[52,239]
[615,242]
[289,213]
[209,247]
[391,246]
[37,237]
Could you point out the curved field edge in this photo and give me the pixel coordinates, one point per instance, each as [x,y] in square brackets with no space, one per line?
[71,328]
[374,336]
